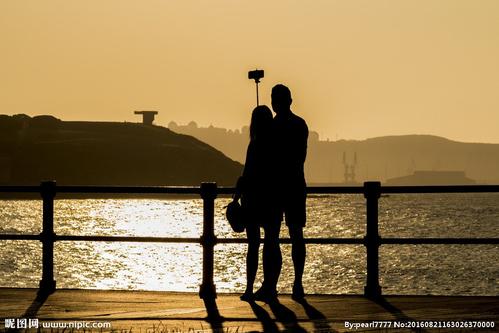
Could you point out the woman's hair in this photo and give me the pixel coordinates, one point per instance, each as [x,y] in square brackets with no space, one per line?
[261,121]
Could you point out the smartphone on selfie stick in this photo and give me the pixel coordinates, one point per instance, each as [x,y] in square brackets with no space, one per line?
[256,75]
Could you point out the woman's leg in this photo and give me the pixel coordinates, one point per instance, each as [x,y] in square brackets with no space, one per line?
[253,234]
[272,258]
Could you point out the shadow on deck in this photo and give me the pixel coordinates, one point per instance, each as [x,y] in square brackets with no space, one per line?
[143,311]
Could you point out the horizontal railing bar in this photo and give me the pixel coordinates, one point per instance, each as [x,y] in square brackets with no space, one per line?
[19,237]
[230,190]
[191,189]
[20,189]
[457,241]
[108,189]
[166,189]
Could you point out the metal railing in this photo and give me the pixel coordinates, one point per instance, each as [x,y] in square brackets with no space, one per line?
[208,192]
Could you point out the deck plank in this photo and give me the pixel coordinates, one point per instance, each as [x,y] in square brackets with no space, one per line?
[171,311]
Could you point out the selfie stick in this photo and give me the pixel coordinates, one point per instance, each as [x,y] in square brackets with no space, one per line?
[257,81]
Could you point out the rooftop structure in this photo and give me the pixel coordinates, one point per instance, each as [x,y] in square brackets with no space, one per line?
[147,116]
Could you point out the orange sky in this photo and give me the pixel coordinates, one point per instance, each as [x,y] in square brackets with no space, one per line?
[357,69]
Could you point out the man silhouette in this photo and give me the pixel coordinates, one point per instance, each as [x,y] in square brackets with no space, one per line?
[290,135]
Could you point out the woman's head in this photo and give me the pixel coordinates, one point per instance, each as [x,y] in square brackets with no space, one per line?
[261,121]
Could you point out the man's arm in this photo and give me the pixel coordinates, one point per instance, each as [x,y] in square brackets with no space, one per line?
[303,141]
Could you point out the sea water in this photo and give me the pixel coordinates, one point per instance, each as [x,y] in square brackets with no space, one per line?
[330,269]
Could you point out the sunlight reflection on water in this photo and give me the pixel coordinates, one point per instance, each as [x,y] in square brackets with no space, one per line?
[468,270]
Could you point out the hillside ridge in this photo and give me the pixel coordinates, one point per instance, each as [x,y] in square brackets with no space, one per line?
[106,153]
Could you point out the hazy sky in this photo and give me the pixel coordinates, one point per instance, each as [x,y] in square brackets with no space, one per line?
[357,69]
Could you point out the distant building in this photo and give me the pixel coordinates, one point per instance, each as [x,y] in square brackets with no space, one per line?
[173,126]
[147,116]
[313,136]
[432,178]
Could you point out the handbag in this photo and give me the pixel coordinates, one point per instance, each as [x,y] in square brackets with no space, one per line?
[235,216]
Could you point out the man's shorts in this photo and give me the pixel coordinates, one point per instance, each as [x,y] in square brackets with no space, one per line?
[294,209]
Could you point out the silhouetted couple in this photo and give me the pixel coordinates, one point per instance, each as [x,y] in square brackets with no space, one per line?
[272,186]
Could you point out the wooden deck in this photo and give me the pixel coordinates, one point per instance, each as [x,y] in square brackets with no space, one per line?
[141,311]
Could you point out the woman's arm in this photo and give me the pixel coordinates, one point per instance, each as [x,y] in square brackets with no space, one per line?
[241,184]
[239,189]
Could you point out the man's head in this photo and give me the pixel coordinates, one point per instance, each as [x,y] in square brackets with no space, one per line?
[281,99]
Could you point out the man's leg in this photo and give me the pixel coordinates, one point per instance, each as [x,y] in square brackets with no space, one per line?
[272,263]
[298,254]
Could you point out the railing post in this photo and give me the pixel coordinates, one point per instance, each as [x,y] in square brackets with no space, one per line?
[372,192]
[47,237]
[207,289]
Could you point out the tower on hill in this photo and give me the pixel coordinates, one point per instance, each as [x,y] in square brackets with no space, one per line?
[147,116]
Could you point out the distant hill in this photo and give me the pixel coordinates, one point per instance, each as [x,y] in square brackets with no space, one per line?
[432,178]
[379,158]
[388,157]
[106,153]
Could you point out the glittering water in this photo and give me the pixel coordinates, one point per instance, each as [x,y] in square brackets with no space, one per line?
[407,269]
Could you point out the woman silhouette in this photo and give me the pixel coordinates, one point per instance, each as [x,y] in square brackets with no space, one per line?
[256,190]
